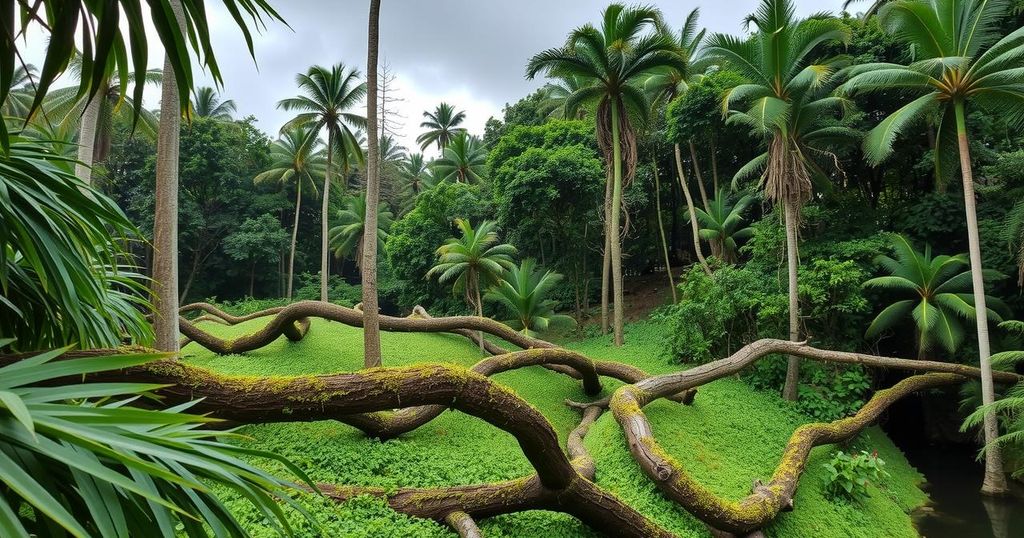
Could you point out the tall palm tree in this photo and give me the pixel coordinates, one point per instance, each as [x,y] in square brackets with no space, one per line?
[722,224]
[464,160]
[416,176]
[165,213]
[346,237]
[938,294]
[442,125]
[787,96]
[626,49]
[668,84]
[297,158]
[327,96]
[523,290]
[960,61]
[371,317]
[471,261]
[206,103]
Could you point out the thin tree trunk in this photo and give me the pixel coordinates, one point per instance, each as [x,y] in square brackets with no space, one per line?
[479,312]
[87,134]
[165,215]
[714,163]
[699,177]
[995,479]
[371,314]
[295,234]
[252,279]
[323,217]
[606,260]
[690,209]
[616,241]
[661,230]
[191,278]
[790,390]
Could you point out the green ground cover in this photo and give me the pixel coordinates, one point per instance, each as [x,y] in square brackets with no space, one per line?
[730,436]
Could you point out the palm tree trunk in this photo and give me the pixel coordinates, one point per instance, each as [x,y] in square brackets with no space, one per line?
[371,314]
[165,215]
[606,260]
[692,212]
[995,479]
[661,230]
[613,227]
[323,217]
[295,234]
[699,177]
[714,163]
[789,391]
[479,311]
[87,135]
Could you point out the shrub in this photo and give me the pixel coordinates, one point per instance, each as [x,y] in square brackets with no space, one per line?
[850,475]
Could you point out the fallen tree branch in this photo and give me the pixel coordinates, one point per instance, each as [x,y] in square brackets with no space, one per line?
[463,525]
[212,312]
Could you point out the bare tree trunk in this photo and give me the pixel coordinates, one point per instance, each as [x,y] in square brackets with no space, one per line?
[790,390]
[995,478]
[87,134]
[324,218]
[479,312]
[714,163]
[165,223]
[699,177]
[295,234]
[661,230]
[606,260]
[613,226]
[692,212]
[371,314]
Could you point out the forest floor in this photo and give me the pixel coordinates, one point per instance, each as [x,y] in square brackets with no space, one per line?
[730,436]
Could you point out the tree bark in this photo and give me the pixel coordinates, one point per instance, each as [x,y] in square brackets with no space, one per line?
[606,259]
[689,207]
[661,230]
[324,210]
[699,177]
[613,227]
[714,162]
[995,479]
[295,234]
[371,312]
[87,134]
[165,225]
[791,389]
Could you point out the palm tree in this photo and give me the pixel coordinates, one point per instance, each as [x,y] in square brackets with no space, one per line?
[442,125]
[18,102]
[939,295]
[470,261]
[165,212]
[960,61]
[722,225]
[611,60]
[346,238]
[297,158]
[327,96]
[789,105]
[523,290]
[206,103]
[556,94]
[666,86]
[1013,234]
[464,160]
[416,178]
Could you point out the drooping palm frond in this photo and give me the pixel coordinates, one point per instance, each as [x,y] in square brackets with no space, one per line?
[346,238]
[723,226]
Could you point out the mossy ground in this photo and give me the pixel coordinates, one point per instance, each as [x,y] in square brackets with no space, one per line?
[729,437]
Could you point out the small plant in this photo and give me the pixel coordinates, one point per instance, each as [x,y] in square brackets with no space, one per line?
[849,475]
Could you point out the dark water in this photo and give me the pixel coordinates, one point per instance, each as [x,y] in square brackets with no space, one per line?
[957,510]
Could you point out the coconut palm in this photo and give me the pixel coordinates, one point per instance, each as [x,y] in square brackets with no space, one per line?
[785,102]
[206,103]
[327,96]
[346,237]
[722,224]
[960,61]
[464,160]
[416,176]
[523,291]
[668,84]
[938,291]
[472,261]
[442,126]
[297,158]
[612,60]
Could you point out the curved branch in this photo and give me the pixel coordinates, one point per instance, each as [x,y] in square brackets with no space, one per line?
[214,313]
[463,524]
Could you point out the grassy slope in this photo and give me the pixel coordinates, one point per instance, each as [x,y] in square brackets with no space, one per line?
[729,437]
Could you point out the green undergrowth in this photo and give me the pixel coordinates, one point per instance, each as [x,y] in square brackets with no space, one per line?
[730,436]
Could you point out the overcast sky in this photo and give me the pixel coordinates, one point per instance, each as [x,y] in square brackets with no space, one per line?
[468,53]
